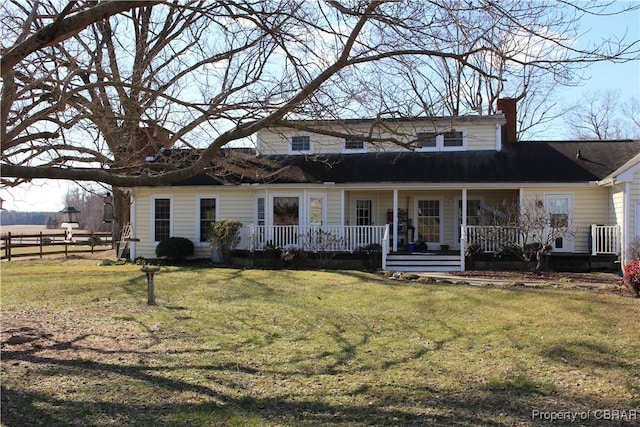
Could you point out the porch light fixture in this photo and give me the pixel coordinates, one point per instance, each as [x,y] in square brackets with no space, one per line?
[1,202]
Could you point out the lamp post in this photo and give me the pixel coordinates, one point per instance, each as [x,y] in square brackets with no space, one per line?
[71,223]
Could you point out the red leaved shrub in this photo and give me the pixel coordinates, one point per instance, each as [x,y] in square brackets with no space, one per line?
[632,277]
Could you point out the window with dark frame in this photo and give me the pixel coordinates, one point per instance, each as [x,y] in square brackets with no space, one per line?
[301,143]
[353,144]
[162,219]
[426,139]
[207,217]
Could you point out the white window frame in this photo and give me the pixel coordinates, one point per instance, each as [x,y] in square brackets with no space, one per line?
[568,242]
[272,197]
[198,219]
[354,213]
[290,144]
[440,141]
[153,216]
[256,218]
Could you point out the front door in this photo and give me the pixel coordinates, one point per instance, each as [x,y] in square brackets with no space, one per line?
[428,221]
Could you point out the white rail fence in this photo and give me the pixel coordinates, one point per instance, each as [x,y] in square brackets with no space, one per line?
[318,238]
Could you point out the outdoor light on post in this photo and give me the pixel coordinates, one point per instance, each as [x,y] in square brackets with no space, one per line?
[71,223]
[107,210]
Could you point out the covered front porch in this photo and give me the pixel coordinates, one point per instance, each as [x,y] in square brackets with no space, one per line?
[416,228]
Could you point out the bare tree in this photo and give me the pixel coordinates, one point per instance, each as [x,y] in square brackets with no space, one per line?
[604,115]
[96,103]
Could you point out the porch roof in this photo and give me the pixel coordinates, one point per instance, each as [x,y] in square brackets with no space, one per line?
[539,162]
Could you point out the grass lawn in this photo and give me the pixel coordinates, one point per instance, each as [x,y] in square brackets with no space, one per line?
[306,348]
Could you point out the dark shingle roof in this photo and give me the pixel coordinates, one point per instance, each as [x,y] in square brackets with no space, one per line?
[538,162]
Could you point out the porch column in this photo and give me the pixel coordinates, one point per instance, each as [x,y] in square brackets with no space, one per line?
[395,220]
[463,229]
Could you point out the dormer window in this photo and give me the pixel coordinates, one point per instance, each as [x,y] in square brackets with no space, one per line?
[452,139]
[301,143]
[354,145]
[440,141]
[426,139]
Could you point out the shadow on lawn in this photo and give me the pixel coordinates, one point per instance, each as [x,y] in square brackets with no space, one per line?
[499,402]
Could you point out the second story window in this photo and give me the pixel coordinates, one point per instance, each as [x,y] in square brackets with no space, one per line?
[426,139]
[452,139]
[440,141]
[301,143]
[353,144]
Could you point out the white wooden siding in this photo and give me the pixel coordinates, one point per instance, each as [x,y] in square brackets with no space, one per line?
[277,141]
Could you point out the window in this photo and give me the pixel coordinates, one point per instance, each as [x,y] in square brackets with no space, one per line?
[426,139]
[353,144]
[301,143]
[316,211]
[429,220]
[207,217]
[162,219]
[286,211]
[452,139]
[436,141]
[364,212]
[260,212]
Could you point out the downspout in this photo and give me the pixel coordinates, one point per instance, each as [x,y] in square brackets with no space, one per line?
[625,224]
[463,230]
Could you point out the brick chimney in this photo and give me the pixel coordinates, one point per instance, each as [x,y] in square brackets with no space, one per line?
[508,108]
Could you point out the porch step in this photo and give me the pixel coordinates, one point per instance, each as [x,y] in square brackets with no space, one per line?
[416,262]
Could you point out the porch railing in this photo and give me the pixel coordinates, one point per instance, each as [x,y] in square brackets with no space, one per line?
[491,238]
[605,239]
[330,238]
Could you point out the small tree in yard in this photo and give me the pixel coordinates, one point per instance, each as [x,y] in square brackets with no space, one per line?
[225,236]
[537,227]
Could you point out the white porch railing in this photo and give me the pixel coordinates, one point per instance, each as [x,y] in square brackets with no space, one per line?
[329,238]
[605,239]
[491,238]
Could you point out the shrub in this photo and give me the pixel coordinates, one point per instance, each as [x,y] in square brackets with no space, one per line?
[94,241]
[632,277]
[225,234]
[175,248]
[473,249]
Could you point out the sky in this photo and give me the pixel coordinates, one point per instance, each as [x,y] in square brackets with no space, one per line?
[48,195]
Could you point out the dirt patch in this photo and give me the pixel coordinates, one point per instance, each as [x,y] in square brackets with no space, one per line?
[546,276]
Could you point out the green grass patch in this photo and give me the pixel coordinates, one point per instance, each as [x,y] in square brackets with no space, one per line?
[250,347]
